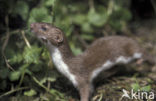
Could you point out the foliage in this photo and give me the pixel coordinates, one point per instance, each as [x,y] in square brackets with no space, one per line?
[30,60]
[136,87]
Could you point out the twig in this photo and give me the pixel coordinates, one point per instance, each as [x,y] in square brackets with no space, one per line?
[53,11]
[40,84]
[12,91]
[25,39]
[48,86]
[14,31]
[110,7]
[91,4]
[154,5]
[6,42]
[22,75]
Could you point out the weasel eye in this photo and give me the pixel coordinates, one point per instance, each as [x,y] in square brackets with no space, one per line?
[43,28]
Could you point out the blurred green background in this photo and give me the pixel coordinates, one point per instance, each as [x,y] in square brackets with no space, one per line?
[26,70]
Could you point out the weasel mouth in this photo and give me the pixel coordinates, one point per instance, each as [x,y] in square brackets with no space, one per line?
[32,30]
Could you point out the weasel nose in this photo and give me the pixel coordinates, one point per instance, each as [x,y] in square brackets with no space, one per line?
[32,25]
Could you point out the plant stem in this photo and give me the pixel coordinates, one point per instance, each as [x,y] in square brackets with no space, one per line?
[6,42]
[40,84]
[154,5]
[25,39]
[91,4]
[12,91]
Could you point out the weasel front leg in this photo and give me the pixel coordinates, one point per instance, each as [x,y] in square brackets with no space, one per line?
[85,91]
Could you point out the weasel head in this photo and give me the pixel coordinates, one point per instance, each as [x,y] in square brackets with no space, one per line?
[47,33]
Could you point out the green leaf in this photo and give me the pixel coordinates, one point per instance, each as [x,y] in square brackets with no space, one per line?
[49,2]
[121,13]
[74,49]
[135,86]
[69,31]
[87,36]
[96,19]
[117,25]
[40,15]
[17,58]
[31,92]
[56,93]
[22,9]
[15,75]
[31,55]
[4,73]
[79,19]
[146,88]
[47,19]
[86,27]
[24,67]
[52,79]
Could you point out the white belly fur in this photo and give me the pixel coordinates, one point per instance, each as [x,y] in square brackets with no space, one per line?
[64,69]
[61,66]
[108,64]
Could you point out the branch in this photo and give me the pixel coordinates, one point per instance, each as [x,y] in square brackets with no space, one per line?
[6,42]
[110,7]
[40,84]
[91,4]
[12,91]
[25,39]
[154,5]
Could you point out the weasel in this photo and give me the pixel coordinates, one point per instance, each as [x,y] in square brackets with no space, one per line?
[100,56]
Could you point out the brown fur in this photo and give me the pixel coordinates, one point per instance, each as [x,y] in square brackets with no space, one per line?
[83,65]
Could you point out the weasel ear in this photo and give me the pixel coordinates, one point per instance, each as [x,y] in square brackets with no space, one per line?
[58,38]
